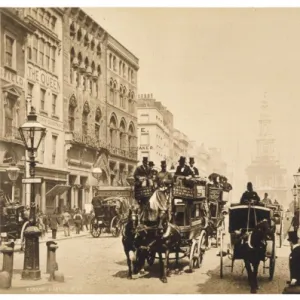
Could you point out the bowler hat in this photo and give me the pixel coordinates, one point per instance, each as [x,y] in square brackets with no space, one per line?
[192,161]
[151,164]
[181,159]
[145,159]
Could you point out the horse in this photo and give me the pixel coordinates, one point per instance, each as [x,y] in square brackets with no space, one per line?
[254,249]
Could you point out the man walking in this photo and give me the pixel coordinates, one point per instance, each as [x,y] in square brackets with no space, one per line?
[54,222]
[66,222]
[78,221]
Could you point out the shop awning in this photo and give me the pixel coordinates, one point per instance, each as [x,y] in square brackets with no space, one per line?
[57,190]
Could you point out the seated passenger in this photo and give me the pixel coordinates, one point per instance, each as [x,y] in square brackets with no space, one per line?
[266,201]
[249,196]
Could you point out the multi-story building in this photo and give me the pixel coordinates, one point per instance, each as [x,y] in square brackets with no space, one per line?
[155,127]
[84,89]
[44,75]
[181,145]
[14,31]
[121,81]
[265,171]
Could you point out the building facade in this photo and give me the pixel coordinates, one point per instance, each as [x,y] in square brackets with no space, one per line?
[121,86]
[44,76]
[181,146]
[265,171]
[155,130]
[14,32]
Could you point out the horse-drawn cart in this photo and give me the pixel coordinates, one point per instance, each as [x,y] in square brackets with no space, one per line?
[243,222]
[109,213]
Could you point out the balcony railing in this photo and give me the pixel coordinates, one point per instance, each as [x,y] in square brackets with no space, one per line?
[88,140]
[12,132]
[121,152]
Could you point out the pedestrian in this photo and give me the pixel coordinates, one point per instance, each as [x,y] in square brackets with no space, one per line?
[40,224]
[78,221]
[46,222]
[54,222]
[85,220]
[66,222]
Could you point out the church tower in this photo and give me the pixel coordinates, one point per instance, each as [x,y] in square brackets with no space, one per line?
[265,171]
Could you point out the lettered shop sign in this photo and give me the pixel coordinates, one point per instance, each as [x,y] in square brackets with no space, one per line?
[38,75]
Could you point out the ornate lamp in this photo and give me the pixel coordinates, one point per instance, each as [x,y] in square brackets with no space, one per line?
[97,173]
[32,133]
[13,174]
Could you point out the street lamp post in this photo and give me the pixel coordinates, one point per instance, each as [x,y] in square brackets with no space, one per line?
[296,213]
[294,192]
[13,174]
[97,173]
[32,133]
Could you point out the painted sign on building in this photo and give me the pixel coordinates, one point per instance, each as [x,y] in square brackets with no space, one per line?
[11,77]
[38,75]
[146,147]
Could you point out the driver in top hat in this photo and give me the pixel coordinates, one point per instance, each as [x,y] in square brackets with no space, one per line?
[142,171]
[194,169]
[249,195]
[183,169]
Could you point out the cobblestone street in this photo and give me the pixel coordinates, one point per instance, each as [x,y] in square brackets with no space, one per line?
[99,266]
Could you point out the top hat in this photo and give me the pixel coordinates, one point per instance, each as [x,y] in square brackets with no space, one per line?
[192,160]
[181,159]
[145,159]
[163,163]
[293,237]
[151,164]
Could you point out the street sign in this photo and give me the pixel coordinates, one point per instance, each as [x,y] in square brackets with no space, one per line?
[32,180]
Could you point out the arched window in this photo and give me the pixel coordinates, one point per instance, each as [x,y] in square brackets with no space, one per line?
[71,115]
[79,35]
[131,136]
[124,70]
[72,56]
[111,91]
[115,93]
[112,131]
[98,117]
[122,135]
[129,73]
[121,95]
[132,78]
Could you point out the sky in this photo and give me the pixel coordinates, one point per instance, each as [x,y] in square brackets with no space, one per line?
[213,66]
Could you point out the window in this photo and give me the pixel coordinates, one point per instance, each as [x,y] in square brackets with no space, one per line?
[9,43]
[97,131]
[35,49]
[124,70]
[90,86]
[97,90]
[43,96]
[47,62]
[71,118]
[29,53]
[110,58]
[41,15]
[53,58]
[29,89]
[84,124]
[47,19]
[53,23]
[42,151]
[145,139]
[34,12]
[120,68]
[114,63]
[9,116]
[54,143]
[42,51]
[54,99]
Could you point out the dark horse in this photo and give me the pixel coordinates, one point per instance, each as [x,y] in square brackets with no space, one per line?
[253,248]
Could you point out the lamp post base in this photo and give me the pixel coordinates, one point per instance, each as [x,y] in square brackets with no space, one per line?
[31,269]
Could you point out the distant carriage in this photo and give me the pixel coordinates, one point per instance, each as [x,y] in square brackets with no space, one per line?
[108,215]
[244,218]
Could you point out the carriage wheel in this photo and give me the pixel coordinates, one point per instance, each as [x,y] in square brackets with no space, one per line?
[194,256]
[115,226]
[201,246]
[272,262]
[221,252]
[95,229]
[151,258]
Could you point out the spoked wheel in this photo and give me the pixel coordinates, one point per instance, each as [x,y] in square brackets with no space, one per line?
[221,252]
[115,226]
[95,229]
[194,262]
[201,246]
[272,262]
[151,258]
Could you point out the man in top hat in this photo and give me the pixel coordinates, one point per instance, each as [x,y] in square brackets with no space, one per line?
[183,169]
[294,260]
[141,171]
[249,195]
[194,169]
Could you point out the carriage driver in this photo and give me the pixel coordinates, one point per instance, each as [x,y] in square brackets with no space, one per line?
[249,195]
[142,173]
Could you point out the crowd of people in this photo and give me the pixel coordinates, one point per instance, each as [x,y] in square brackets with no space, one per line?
[69,219]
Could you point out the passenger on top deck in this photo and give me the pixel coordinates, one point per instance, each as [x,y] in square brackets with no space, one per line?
[142,173]
[249,196]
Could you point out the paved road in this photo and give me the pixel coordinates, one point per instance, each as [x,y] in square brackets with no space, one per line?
[99,266]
